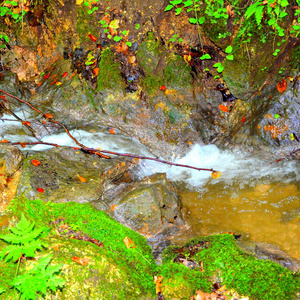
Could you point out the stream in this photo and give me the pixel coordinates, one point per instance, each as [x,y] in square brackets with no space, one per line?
[259,200]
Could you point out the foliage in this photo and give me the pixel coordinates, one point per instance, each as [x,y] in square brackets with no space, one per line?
[23,239]
[25,242]
[39,279]
[263,17]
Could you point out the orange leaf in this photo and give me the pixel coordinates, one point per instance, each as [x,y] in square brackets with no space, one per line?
[129,243]
[23,145]
[4,141]
[113,206]
[80,260]
[223,108]
[26,123]
[281,86]
[59,83]
[48,116]
[158,280]
[35,162]
[82,179]
[96,71]
[40,190]
[216,174]
[111,130]
[65,74]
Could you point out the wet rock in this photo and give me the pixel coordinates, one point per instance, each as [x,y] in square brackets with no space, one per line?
[11,158]
[148,206]
[272,252]
[65,174]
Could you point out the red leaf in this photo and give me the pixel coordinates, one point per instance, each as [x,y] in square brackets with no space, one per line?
[65,74]
[47,76]
[54,81]
[23,145]
[163,88]
[93,38]
[40,190]
[2,97]
[80,260]
[243,120]
[36,162]
[281,86]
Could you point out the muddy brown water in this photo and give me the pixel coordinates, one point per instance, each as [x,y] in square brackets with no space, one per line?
[263,213]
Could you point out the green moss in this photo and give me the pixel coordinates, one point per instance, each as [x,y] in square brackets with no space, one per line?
[259,279]
[136,264]
[109,76]
[177,72]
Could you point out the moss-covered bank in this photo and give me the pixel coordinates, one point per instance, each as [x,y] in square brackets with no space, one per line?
[114,271]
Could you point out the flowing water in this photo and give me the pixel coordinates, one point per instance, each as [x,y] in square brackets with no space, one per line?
[252,197]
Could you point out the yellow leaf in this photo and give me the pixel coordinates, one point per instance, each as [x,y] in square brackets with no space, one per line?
[129,243]
[216,174]
[79,2]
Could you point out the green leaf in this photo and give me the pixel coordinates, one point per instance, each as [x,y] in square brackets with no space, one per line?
[124,32]
[228,49]
[175,2]
[129,44]
[229,57]
[169,7]
[205,56]
[201,20]
[178,11]
[188,3]
[283,3]
[283,14]
[259,14]
[137,26]
[192,20]
[6,38]
[251,9]
[117,38]
[271,22]
[219,67]
[180,40]
[102,22]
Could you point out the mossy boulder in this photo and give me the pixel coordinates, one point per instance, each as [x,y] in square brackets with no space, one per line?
[113,269]
[218,258]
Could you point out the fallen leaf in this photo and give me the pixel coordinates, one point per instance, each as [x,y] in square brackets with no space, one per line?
[223,108]
[216,174]
[36,162]
[96,71]
[275,130]
[111,130]
[281,86]
[163,87]
[65,74]
[2,97]
[157,280]
[78,2]
[47,76]
[54,81]
[82,179]
[80,260]
[40,190]
[9,179]
[112,208]
[48,116]
[129,243]
[122,48]
[243,120]
[56,247]
[92,37]
[59,83]
[4,141]
[26,123]
[23,145]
